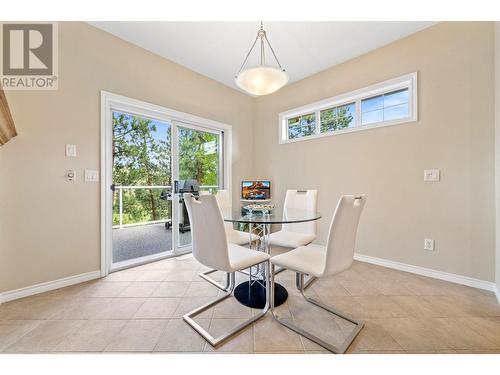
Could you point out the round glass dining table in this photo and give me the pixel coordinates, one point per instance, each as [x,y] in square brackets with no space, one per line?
[252,293]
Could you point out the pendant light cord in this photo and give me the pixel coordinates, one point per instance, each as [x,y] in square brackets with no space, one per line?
[262,35]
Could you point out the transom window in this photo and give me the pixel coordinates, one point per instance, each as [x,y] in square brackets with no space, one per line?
[387,103]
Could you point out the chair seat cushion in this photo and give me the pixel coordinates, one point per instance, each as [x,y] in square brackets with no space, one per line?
[305,259]
[239,238]
[241,257]
[286,238]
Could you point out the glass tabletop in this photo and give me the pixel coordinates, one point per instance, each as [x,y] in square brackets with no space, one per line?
[274,216]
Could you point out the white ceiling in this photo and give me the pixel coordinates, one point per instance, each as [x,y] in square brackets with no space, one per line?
[217,49]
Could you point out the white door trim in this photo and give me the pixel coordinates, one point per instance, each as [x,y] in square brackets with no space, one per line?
[110,101]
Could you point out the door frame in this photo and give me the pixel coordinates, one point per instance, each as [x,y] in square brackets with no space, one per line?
[110,102]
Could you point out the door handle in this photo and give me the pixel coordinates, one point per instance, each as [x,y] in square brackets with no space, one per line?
[113,187]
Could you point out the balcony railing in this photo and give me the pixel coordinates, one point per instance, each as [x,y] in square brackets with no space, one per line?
[121,188]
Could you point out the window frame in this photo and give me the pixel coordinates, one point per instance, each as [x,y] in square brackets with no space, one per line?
[407,81]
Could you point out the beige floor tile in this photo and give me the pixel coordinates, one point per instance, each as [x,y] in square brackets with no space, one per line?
[360,288]
[140,289]
[457,335]
[178,336]
[45,336]
[326,329]
[138,336]
[181,275]
[37,307]
[376,307]
[484,351]
[413,335]
[373,336]
[329,288]
[231,308]
[456,306]
[418,306]
[83,308]
[242,342]
[350,275]
[120,308]
[188,304]
[158,308]
[424,286]
[391,288]
[201,289]
[171,289]
[304,310]
[102,308]
[93,336]
[378,352]
[270,336]
[488,327]
[131,274]
[153,275]
[12,330]
[108,288]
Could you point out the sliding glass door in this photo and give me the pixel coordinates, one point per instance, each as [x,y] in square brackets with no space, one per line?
[197,169]
[154,161]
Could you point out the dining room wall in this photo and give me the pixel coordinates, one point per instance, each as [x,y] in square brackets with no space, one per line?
[49,228]
[454,133]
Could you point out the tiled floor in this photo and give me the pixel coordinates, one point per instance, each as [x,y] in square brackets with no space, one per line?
[140,310]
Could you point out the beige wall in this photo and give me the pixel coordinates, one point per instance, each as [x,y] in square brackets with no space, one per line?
[497,152]
[455,133]
[49,229]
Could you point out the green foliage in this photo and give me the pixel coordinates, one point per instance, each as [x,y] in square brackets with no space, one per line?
[142,157]
[198,156]
[302,126]
[336,118]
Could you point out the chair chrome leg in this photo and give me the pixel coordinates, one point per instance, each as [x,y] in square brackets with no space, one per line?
[214,341]
[301,287]
[204,276]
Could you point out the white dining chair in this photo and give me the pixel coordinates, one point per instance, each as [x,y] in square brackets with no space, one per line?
[296,234]
[211,248]
[321,261]
[233,236]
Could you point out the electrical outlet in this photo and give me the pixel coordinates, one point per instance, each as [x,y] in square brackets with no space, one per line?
[428,244]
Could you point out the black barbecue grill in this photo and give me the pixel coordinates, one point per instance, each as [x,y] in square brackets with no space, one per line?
[181,187]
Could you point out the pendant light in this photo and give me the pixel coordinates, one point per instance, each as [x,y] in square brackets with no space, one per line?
[263,79]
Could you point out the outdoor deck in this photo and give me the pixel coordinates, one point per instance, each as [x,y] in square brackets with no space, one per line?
[142,240]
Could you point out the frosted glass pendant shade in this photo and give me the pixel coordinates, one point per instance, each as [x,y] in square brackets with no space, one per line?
[261,80]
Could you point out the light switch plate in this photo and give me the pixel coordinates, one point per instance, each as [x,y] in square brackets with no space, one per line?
[431,175]
[71,151]
[91,175]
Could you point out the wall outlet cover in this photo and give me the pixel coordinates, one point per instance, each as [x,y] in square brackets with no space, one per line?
[428,244]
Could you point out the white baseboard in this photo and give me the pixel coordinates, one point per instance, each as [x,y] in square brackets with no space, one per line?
[48,286]
[497,293]
[451,277]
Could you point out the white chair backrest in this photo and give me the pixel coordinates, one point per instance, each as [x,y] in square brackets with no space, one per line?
[207,230]
[225,206]
[342,234]
[302,200]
